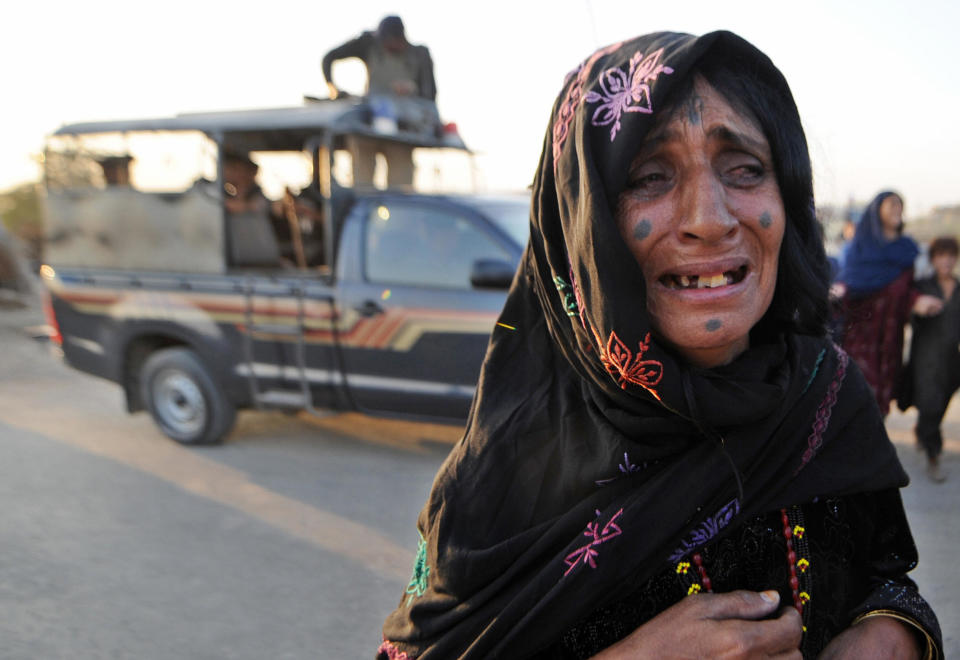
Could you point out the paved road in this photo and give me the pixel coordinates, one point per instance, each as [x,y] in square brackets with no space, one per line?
[291,540]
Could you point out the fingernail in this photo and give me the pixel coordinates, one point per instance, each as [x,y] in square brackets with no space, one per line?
[771,596]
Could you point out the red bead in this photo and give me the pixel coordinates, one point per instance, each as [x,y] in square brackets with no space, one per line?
[794,582]
[787,532]
[792,557]
[707,584]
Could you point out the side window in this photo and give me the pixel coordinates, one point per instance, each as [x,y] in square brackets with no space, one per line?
[424,246]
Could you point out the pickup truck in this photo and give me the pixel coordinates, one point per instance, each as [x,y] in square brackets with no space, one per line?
[343,298]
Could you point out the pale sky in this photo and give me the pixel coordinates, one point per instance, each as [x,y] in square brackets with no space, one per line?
[876,82]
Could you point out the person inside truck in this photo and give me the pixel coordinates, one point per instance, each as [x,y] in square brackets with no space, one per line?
[251,235]
[402,93]
[241,192]
[116,169]
[666,455]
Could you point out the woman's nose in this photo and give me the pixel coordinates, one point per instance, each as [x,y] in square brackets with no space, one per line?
[705,216]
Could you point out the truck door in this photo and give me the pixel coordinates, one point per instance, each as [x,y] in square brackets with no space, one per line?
[413,330]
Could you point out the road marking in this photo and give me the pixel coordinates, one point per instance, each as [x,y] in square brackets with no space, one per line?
[132,441]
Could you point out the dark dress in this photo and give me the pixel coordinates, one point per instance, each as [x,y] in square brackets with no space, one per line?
[853,552]
[934,369]
[873,334]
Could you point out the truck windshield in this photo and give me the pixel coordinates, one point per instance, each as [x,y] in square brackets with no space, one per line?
[512,215]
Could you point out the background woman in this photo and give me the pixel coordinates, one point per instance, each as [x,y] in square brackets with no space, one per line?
[934,370]
[666,456]
[878,294]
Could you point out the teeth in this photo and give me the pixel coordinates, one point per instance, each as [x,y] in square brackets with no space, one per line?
[701,281]
[711,281]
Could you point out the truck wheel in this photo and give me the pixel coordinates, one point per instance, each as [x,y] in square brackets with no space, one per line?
[184,399]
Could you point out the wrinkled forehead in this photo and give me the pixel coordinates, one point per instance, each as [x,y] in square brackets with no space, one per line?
[703,108]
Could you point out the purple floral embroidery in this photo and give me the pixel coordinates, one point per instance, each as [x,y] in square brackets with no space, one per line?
[707,529]
[822,420]
[625,468]
[561,124]
[626,91]
[587,554]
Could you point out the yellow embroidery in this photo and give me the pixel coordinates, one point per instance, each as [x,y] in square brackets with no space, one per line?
[683,567]
[798,531]
[803,564]
[804,597]
[694,589]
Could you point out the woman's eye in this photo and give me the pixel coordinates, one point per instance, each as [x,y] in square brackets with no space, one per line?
[649,181]
[743,174]
[748,173]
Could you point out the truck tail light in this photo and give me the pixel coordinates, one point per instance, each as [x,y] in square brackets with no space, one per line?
[55,335]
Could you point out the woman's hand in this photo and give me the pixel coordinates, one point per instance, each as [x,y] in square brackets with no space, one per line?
[715,626]
[927,305]
[879,637]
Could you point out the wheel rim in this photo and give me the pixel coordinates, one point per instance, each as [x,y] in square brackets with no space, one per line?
[179,403]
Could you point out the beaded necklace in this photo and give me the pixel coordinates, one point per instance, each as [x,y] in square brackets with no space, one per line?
[794,534]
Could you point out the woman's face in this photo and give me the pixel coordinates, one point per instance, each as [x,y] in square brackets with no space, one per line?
[891,214]
[703,216]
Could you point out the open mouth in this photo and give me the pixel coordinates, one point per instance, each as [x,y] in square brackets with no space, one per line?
[704,280]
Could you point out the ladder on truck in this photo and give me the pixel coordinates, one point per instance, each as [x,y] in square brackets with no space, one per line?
[281,398]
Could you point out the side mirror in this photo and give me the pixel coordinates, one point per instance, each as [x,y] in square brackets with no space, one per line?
[492,274]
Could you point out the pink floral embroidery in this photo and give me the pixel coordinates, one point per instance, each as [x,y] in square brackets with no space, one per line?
[393,653]
[620,361]
[561,124]
[822,420]
[587,554]
[626,91]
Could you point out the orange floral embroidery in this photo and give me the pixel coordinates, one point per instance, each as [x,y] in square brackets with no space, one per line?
[620,361]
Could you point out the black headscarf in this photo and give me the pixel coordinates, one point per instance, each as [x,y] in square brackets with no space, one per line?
[593,455]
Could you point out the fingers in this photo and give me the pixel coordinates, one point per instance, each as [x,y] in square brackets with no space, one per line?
[777,638]
[739,604]
[728,625]
[781,635]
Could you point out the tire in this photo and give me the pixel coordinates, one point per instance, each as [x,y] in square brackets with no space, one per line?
[184,399]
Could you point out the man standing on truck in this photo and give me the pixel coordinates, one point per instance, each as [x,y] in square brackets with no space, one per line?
[402,94]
